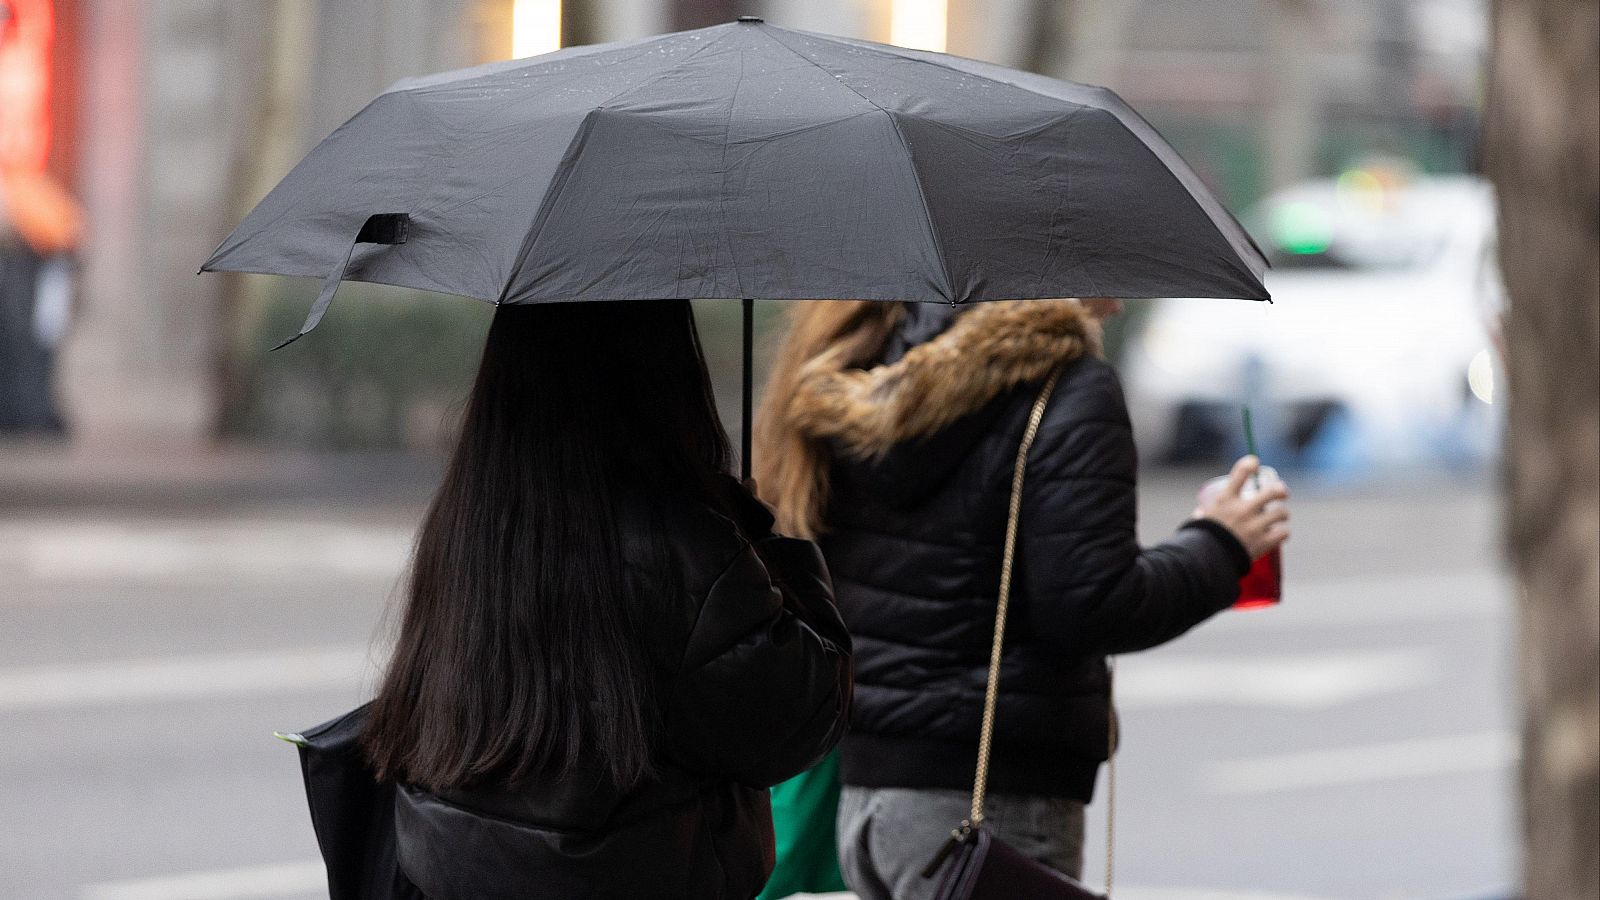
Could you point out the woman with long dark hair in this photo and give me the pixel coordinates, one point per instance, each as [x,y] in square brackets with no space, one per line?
[606,654]
[890,431]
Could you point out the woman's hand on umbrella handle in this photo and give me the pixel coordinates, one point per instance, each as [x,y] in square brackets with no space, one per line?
[755,492]
[754,517]
[1258,518]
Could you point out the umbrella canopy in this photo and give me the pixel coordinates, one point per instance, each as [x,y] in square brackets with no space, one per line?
[747,160]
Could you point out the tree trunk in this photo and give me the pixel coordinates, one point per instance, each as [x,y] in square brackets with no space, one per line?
[1293,84]
[1044,48]
[1543,152]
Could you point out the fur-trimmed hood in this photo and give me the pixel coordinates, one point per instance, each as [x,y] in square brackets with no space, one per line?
[989,349]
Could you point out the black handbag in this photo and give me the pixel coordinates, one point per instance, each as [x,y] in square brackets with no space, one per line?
[978,865]
[352,812]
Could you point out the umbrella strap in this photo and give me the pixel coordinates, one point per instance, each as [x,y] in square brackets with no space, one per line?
[383,228]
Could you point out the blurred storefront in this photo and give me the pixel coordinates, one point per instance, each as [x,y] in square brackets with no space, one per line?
[169,118]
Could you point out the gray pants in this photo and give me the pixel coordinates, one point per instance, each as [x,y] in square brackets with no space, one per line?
[887,835]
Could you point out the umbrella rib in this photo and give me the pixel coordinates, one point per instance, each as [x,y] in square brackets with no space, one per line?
[460,78]
[663,73]
[889,50]
[575,150]
[722,193]
[922,197]
[1133,121]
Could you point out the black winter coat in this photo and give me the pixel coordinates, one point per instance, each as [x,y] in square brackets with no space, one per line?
[915,524]
[756,688]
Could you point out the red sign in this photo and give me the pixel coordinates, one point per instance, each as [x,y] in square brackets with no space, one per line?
[27,28]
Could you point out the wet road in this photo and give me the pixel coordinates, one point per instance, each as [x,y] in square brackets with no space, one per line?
[1356,742]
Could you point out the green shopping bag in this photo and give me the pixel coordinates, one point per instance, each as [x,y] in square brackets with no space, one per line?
[804,809]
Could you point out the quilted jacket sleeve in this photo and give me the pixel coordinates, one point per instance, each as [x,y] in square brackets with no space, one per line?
[763,690]
[1091,587]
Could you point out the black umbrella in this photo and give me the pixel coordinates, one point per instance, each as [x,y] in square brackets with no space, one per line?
[747,161]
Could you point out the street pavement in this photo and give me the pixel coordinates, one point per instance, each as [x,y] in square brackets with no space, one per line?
[1356,742]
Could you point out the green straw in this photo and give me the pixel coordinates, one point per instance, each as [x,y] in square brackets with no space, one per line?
[1250,447]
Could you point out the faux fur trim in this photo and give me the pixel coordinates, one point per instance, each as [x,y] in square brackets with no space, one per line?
[989,349]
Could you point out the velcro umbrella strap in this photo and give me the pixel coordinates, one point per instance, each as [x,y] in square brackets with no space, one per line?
[383,228]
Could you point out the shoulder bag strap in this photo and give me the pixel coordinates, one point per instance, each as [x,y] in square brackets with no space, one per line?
[980,782]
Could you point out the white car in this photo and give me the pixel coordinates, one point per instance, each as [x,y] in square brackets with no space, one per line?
[1377,349]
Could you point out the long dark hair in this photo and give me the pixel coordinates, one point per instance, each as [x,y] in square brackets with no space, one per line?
[520,648]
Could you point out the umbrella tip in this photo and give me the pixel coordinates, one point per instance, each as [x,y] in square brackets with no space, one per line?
[295,739]
[751,20]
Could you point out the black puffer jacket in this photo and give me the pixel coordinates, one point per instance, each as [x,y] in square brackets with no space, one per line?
[755,666]
[925,445]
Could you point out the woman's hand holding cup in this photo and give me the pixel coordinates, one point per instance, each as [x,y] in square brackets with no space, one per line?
[1252,503]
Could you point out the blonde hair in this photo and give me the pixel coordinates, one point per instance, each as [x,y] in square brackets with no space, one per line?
[791,467]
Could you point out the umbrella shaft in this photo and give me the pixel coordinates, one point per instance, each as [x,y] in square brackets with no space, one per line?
[744,433]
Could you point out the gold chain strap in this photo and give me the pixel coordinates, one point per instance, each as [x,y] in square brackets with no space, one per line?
[991,694]
[980,783]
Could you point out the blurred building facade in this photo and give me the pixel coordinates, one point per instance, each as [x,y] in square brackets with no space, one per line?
[172,117]
[186,111]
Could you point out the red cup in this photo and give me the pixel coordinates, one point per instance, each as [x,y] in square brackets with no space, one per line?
[1262,586]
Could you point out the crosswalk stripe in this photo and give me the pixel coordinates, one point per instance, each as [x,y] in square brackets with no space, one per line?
[1344,766]
[1315,603]
[1303,681]
[115,551]
[245,883]
[143,680]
